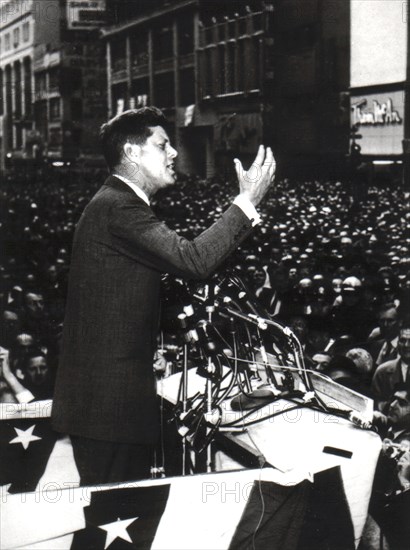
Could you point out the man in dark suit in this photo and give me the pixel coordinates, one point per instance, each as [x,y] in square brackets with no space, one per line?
[382,342]
[392,373]
[105,394]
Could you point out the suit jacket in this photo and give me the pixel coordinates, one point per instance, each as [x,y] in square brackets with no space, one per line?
[105,387]
[385,379]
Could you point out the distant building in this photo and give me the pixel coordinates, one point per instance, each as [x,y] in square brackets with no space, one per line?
[70,83]
[208,65]
[23,25]
[380,84]
[53,78]
[311,91]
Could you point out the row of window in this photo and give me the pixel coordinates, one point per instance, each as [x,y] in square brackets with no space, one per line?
[232,29]
[25,31]
[23,96]
[163,90]
[163,43]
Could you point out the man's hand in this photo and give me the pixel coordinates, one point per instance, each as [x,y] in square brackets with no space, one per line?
[257,180]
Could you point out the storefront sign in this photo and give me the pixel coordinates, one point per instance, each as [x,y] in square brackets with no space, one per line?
[379,118]
[85,14]
[379,113]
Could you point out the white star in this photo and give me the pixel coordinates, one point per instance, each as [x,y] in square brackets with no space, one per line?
[117,529]
[25,437]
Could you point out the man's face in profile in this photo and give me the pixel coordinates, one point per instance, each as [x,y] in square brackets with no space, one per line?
[156,159]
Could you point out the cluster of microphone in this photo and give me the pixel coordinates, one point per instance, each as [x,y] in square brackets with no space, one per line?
[220,324]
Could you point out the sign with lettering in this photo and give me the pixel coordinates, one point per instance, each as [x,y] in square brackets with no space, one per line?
[85,14]
[379,118]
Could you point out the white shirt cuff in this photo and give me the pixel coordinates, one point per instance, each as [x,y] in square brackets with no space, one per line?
[248,209]
[24,396]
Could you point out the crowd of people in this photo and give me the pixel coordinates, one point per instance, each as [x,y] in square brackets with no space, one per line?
[336,271]
[332,267]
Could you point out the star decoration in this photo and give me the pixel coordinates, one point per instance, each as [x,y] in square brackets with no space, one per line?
[25,437]
[117,529]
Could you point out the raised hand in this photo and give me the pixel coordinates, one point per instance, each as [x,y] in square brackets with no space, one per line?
[255,182]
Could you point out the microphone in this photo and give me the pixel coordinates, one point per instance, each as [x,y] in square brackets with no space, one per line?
[184,298]
[176,301]
[178,296]
[240,296]
[190,336]
[208,344]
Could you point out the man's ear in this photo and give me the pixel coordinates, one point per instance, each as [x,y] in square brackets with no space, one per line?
[131,151]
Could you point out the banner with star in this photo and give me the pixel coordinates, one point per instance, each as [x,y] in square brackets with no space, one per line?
[26,443]
[122,518]
[179,513]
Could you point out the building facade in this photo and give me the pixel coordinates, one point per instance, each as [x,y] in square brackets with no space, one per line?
[70,92]
[208,65]
[23,25]
[379,87]
[53,77]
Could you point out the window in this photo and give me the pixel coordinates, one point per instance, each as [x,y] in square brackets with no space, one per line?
[208,85]
[1,95]
[164,90]
[230,67]
[118,60]
[139,89]
[221,32]
[76,109]
[232,29]
[26,32]
[240,83]
[163,43]
[56,138]
[7,42]
[54,80]
[221,71]
[186,36]
[27,86]
[55,108]
[187,79]
[139,49]
[40,82]
[16,37]
[40,114]
[17,88]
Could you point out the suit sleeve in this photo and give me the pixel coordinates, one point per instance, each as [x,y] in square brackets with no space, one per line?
[377,391]
[139,234]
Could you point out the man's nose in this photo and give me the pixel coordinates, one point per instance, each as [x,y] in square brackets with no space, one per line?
[172,153]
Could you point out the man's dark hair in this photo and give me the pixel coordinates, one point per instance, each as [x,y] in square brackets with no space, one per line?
[134,126]
[35,352]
